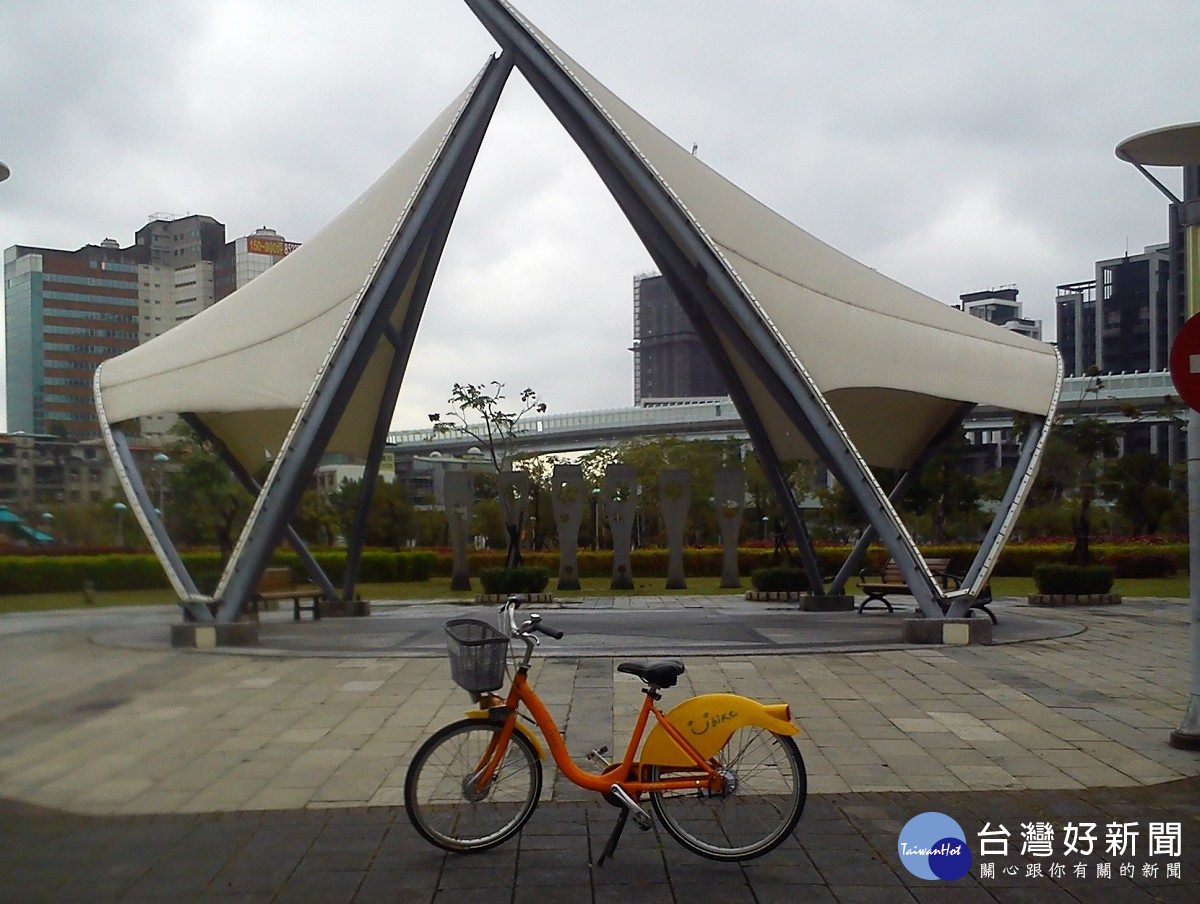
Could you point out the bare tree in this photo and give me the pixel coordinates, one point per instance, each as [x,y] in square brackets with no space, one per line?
[478,413]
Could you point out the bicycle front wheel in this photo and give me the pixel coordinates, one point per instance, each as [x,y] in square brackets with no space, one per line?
[443,800]
[765,790]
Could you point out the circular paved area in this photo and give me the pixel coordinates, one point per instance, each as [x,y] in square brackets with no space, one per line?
[607,626]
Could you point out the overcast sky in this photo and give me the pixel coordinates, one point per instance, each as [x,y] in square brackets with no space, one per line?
[955,146]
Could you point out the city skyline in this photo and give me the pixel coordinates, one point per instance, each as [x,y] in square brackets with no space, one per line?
[950,179]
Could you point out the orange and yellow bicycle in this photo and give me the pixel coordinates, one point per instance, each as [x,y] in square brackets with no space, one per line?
[722,772]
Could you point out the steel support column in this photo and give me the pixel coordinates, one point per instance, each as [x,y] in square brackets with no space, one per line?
[246,479]
[752,335]
[192,601]
[318,416]
[869,534]
[402,342]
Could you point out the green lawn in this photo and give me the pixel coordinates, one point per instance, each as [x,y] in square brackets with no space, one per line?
[438,589]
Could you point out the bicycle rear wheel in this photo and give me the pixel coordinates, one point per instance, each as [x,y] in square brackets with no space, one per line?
[440,797]
[766,786]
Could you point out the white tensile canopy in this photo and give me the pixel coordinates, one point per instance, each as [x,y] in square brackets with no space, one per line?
[246,365]
[892,363]
[887,367]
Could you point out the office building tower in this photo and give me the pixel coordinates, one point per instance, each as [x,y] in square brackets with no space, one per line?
[670,363]
[1124,320]
[64,313]
[1000,306]
[67,311]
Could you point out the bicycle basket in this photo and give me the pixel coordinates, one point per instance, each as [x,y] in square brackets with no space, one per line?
[478,653]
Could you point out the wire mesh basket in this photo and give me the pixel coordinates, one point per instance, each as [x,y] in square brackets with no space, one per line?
[478,653]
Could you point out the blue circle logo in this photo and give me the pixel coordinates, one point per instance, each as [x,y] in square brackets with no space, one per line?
[933,846]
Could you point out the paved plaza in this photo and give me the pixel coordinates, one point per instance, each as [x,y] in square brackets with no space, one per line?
[131,772]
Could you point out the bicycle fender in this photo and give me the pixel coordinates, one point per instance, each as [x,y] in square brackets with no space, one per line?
[530,736]
[708,721]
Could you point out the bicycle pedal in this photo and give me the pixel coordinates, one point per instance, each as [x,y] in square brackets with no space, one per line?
[641,818]
[598,756]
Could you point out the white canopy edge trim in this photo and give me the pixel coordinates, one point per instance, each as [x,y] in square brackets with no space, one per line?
[1014,510]
[131,493]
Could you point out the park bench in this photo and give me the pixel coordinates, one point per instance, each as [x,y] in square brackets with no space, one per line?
[280,584]
[890,582]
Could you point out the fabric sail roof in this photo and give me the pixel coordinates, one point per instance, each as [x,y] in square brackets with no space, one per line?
[893,364]
[245,365]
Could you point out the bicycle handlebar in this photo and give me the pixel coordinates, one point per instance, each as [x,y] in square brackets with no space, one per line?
[533,623]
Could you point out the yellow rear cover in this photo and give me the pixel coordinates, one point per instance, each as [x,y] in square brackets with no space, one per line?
[707,722]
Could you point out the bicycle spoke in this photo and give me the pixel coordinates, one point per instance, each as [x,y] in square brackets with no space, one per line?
[763,795]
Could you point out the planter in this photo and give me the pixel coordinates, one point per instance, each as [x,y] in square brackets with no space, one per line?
[1075,599]
[809,602]
[524,597]
[775,596]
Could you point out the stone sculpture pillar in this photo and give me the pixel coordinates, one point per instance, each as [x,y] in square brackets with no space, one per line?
[566,499]
[620,505]
[731,499]
[674,495]
[458,496]
[514,498]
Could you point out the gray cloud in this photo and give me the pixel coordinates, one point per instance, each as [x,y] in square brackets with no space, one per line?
[952,146]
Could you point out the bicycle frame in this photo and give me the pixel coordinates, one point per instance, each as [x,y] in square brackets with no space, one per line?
[672,748]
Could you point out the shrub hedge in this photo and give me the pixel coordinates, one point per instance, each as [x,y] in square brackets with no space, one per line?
[46,572]
[141,571]
[1073,579]
[524,579]
[779,579]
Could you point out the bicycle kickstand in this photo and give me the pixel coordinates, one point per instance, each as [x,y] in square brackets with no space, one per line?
[628,805]
[614,838]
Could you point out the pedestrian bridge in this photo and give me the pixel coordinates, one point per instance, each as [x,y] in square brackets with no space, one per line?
[718,419]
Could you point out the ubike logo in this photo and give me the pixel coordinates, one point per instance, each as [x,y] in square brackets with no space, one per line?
[701,726]
[933,846]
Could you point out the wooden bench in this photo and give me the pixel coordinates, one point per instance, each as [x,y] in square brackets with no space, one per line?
[280,584]
[890,582]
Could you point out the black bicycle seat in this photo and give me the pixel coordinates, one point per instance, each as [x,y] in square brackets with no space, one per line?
[658,672]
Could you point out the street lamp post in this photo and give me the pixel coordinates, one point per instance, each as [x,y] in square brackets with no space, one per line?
[596,518]
[119,508]
[1180,146]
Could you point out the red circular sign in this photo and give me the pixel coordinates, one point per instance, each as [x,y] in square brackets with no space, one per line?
[1185,363]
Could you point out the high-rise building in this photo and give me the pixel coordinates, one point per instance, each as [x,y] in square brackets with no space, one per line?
[64,313]
[1000,306]
[670,363]
[248,257]
[67,311]
[1124,320]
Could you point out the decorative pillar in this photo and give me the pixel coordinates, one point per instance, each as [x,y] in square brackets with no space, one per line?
[566,499]
[458,495]
[731,499]
[620,504]
[674,494]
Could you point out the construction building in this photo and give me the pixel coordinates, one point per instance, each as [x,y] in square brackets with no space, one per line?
[670,363]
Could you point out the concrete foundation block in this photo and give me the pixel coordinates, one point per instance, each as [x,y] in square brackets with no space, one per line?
[949,631]
[200,636]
